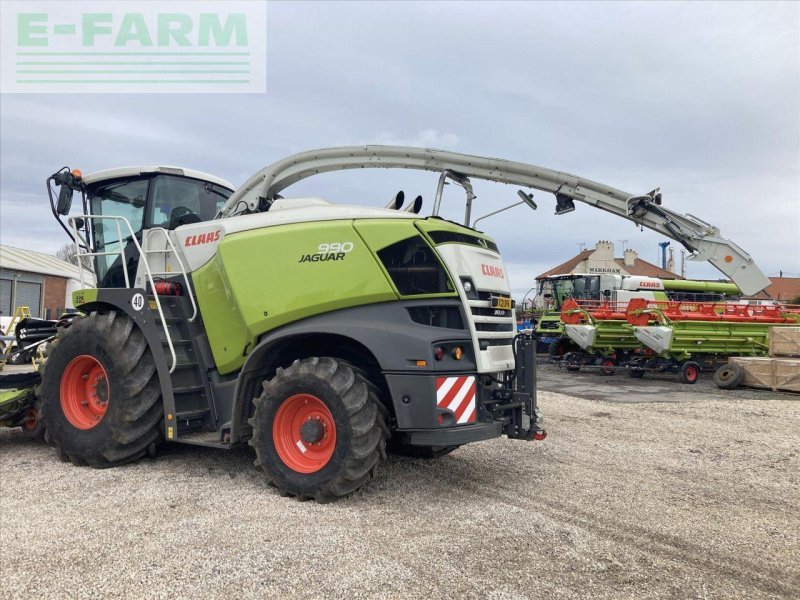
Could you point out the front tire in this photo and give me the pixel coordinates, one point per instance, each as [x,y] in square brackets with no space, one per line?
[318,430]
[101,397]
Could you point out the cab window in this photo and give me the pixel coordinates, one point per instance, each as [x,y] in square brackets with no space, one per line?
[121,198]
[177,201]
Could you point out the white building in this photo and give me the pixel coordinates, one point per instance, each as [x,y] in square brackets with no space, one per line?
[39,281]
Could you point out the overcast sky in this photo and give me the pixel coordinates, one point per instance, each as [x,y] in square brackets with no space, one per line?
[700,99]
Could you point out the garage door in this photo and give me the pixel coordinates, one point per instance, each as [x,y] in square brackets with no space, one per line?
[30,295]
[5,297]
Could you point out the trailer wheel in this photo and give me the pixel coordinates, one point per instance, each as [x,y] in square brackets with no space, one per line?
[690,372]
[559,347]
[318,430]
[101,397]
[33,427]
[636,373]
[572,361]
[607,366]
[729,376]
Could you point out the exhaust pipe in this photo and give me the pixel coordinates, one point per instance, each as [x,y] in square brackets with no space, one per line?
[397,202]
[415,206]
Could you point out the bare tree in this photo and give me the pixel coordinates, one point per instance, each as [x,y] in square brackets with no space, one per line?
[67,253]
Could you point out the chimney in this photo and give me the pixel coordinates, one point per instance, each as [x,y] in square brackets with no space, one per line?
[603,250]
[630,258]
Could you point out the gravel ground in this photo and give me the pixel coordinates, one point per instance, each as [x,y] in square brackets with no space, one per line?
[647,499]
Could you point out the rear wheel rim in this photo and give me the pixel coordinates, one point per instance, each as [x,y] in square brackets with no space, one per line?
[304,433]
[84,392]
[691,373]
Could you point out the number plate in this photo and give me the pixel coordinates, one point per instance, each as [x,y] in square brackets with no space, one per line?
[502,303]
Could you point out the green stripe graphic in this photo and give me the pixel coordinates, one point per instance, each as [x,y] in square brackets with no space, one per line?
[185,71]
[107,81]
[133,62]
[91,53]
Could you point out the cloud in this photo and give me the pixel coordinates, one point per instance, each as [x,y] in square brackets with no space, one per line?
[427,138]
[697,98]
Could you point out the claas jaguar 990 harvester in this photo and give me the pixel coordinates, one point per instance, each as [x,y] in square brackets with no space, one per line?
[320,334]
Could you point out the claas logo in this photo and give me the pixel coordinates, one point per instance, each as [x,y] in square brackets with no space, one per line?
[202,238]
[492,271]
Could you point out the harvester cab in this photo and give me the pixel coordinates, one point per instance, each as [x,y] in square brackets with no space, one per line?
[129,209]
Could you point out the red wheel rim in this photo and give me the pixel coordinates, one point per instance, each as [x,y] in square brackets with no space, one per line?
[691,373]
[304,433]
[32,420]
[84,392]
[608,366]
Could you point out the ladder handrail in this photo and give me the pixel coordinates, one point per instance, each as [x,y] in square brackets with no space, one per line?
[143,258]
[180,263]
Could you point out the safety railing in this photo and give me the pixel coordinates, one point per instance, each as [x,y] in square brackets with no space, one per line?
[79,239]
[171,250]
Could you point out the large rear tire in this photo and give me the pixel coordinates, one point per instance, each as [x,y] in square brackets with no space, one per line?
[318,430]
[101,397]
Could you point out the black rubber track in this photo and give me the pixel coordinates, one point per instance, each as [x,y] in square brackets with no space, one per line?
[132,424]
[361,430]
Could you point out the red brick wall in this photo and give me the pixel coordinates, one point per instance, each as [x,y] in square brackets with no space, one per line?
[55,294]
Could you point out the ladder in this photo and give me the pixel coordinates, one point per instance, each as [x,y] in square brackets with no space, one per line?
[122,224]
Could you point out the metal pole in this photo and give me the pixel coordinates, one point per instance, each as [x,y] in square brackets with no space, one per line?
[495,212]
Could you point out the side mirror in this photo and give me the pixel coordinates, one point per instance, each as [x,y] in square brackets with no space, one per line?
[64,199]
[527,199]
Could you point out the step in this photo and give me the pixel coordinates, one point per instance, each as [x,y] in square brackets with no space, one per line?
[189,365]
[192,414]
[203,438]
[191,389]
[177,342]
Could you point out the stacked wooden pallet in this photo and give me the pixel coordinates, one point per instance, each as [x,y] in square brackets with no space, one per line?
[781,370]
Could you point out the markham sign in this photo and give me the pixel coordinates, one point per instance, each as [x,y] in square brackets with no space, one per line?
[605,271]
[130,47]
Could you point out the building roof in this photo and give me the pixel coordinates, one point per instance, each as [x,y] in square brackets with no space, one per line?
[17,259]
[567,267]
[782,288]
[640,267]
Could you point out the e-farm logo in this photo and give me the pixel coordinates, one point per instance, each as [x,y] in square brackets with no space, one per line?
[133,47]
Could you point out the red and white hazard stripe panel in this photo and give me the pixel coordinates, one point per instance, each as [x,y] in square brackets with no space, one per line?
[457,394]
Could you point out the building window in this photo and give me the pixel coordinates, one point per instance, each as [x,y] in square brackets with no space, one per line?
[5,297]
[30,295]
